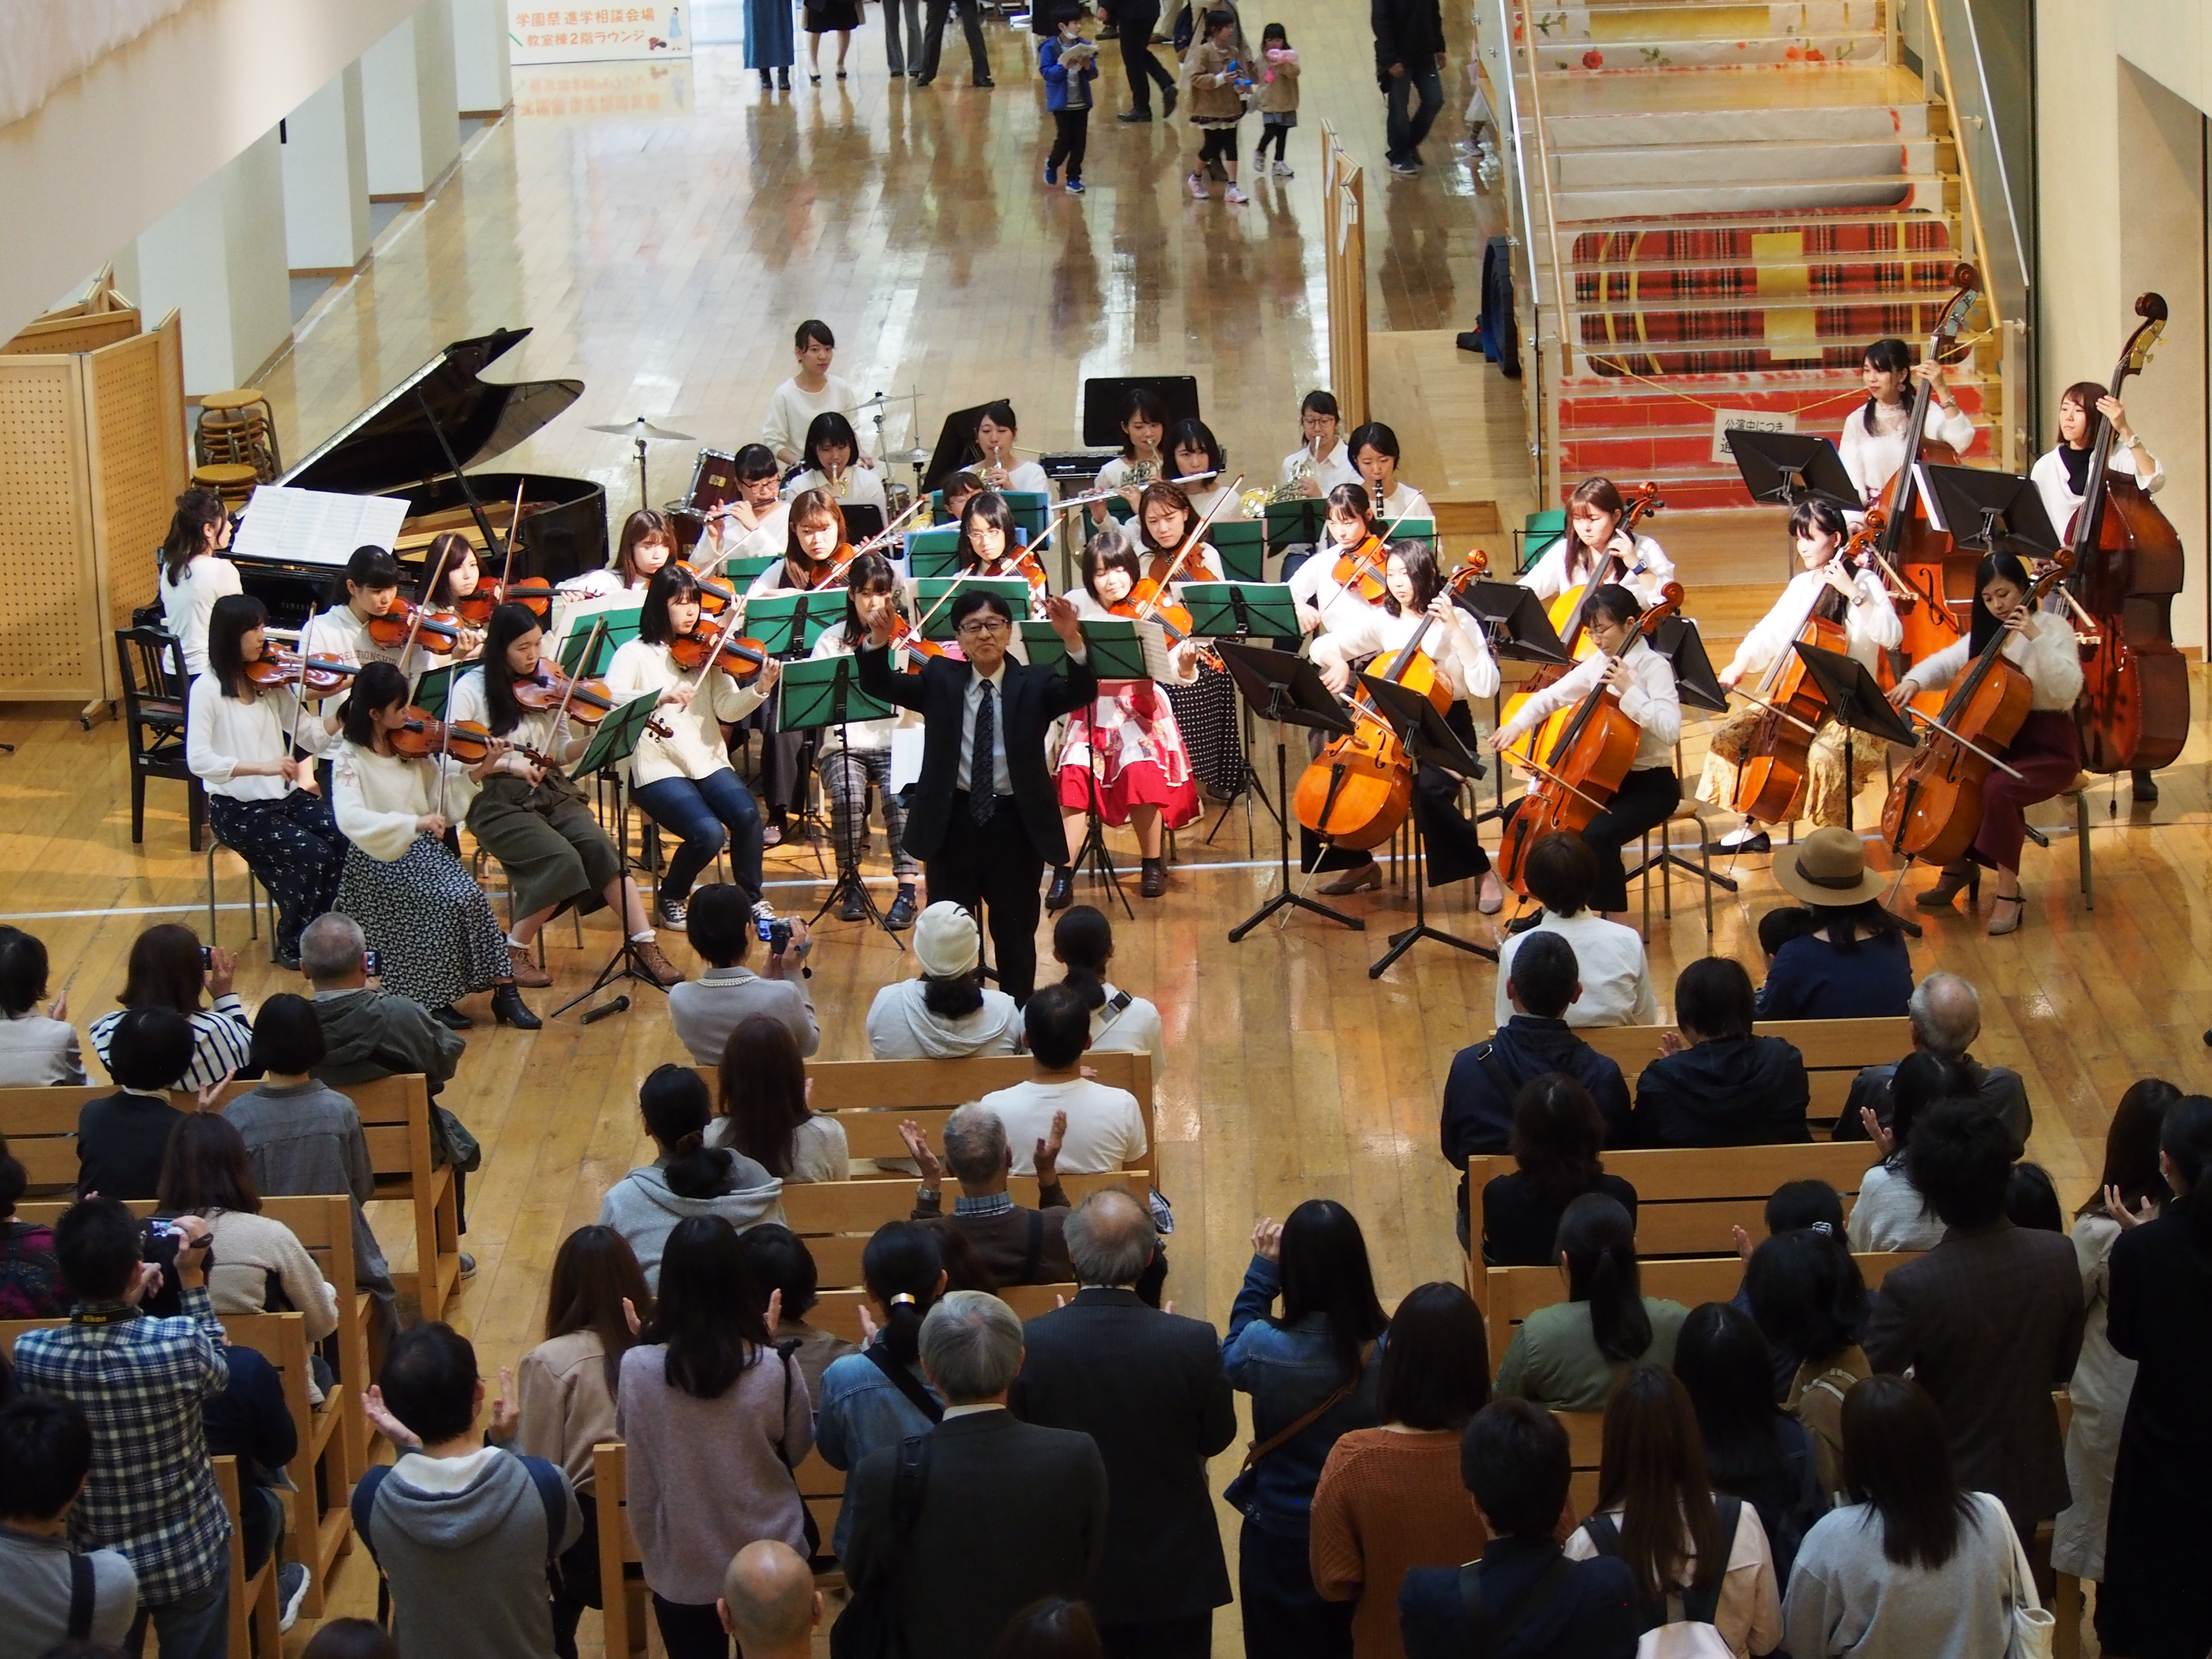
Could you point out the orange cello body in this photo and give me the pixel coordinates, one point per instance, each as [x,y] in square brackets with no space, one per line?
[1772,769]
[1359,789]
[1581,769]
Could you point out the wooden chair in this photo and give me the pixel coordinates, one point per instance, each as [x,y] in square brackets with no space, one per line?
[622,1593]
[1835,1051]
[838,1217]
[254,1614]
[155,689]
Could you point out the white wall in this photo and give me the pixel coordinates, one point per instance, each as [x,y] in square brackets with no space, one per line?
[480,77]
[218,257]
[115,150]
[413,115]
[326,219]
[2171,41]
[2078,169]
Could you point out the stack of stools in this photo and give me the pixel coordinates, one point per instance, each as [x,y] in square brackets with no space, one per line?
[239,428]
[234,481]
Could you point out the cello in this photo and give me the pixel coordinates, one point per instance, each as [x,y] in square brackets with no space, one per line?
[1911,544]
[1581,769]
[2128,566]
[1934,805]
[1359,789]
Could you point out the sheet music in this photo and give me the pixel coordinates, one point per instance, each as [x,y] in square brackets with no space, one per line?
[315,526]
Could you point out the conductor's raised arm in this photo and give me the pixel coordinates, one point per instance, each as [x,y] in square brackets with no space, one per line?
[881,682]
[1079,687]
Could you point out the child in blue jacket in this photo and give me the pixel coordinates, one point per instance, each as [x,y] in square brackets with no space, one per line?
[1070,64]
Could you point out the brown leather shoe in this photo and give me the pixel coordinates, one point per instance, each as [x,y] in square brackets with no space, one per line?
[664,972]
[522,963]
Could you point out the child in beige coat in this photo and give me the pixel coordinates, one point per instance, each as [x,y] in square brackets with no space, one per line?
[1217,84]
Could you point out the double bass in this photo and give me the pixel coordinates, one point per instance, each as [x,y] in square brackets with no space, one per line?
[1359,789]
[1911,544]
[1934,810]
[2128,566]
[1579,771]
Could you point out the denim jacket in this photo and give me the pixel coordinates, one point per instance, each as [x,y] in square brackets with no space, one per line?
[1288,1370]
[862,1411]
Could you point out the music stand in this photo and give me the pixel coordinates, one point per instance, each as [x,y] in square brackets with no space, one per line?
[954,440]
[1285,690]
[934,597]
[611,744]
[788,624]
[1518,628]
[1427,741]
[1115,653]
[1856,703]
[1103,398]
[864,520]
[1250,611]
[1301,522]
[1786,468]
[813,694]
[1993,512]
[1677,640]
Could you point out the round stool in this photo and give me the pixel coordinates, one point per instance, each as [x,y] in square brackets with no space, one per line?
[233,480]
[239,428]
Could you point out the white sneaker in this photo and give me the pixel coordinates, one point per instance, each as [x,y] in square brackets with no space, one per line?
[763,911]
[1236,198]
[1283,170]
[1197,182]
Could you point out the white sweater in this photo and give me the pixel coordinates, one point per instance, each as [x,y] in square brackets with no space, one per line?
[864,487]
[792,409]
[697,749]
[378,797]
[1870,622]
[1547,577]
[1652,701]
[535,730]
[2060,503]
[249,1248]
[220,732]
[1872,458]
[2050,658]
[187,604]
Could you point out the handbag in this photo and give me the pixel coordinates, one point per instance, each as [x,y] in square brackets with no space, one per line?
[869,1627]
[808,1525]
[2033,1624]
[1241,1488]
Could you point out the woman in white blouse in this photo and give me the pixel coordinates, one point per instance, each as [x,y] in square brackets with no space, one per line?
[1643,681]
[683,782]
[753,523]
[830,455]
[858,754]
[648,542]
[1417,605]
[1144,423]
[1323,461]
[2045,755]
[997,462]
[263,801]
[1858,602]
[813,390]
[1375,452]
[429,924]
[194,573]
[1872,440]
[1594,513]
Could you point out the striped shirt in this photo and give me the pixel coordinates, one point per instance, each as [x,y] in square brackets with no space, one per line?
[141,1381]
[222,1040]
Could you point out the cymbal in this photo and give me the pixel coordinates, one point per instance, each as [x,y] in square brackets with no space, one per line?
[910,458]
[641,427]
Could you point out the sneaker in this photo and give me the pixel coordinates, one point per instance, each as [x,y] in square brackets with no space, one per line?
[1075,188]
[1235,196]
[1051,173]
[1197,182]
[292,1580]
[1403,168]
[669,913]
[468,1264]
[1283,170]
[763,911]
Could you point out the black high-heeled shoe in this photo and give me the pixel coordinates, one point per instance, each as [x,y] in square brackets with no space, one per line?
[507,1008]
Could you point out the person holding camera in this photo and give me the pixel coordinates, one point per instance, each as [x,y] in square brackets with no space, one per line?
[706,1010]
[169,967]
[141,1381]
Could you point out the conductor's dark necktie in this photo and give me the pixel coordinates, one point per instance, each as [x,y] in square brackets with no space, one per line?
[983,766]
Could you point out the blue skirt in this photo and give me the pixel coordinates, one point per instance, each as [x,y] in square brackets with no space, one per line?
[770,40]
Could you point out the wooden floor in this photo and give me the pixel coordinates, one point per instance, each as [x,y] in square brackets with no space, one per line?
[664,254]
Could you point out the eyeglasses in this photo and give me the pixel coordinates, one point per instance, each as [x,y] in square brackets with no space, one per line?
[974,627]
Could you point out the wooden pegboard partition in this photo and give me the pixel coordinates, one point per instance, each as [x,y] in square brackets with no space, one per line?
[1344,266]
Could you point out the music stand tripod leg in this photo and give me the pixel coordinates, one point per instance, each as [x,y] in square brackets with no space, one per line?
[1286,899]
[849,879]
[1406,938]
[623,965]
[1094,854]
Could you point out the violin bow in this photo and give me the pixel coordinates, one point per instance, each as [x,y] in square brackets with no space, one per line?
[513,524]
[414,628]
[590,654]
[1197,533]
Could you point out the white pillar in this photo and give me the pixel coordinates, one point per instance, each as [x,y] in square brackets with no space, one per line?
[413,119]
[326,148]
[219,259]
[481,79]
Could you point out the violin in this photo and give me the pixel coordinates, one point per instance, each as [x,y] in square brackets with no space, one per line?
[1910,543]
[533,593]
[741,660]
[1359,790]
[715,597]
[1934,810]
[469,742]
[1021,562]
[1126,608]
[1149,595]
[1578,773]
[2128,566]
[315,677]
[906,637]
[407,623]
[587,702]
[1362,569]
[828,573]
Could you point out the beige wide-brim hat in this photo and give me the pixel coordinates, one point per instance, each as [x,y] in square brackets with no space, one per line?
[1828,867]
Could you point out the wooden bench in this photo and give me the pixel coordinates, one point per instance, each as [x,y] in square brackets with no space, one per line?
[839,1311]
[1835,1050]
[838,1217]
[40,1127]
[254,1614]
[1515,1292]
[870,1097]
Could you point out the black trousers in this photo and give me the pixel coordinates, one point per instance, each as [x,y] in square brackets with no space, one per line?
[971,24]
[689,1632]
[1071,137]
[1136,22]
[1284,1617]
[993,870]
[576,1579]
[1162,1638]
[1643,802]
[1454,851]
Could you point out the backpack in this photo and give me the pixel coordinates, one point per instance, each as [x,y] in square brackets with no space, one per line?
[1681,1624]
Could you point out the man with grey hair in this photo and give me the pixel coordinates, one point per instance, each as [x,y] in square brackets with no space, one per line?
[1148,1387]
[1002,1512]
[1946,1017]
[770,1604]
[1017,1245]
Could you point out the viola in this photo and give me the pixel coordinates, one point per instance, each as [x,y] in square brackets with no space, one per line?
[1578,774]
[2128,566]
[1359,790]
[276,667]
[1928,562]
[1363,570]
[1934,809]
[407,623]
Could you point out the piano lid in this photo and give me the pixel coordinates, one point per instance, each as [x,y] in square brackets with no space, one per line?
[389,445]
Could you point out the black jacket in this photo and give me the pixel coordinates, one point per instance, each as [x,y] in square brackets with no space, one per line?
[1149,1388]
[121,1139]
[249,1419]
[1519,1227]
[1032,700]
[1478,1115]
[1408,32]
[2001,1089]
[1724,1091]
[1010,1512]
[1587,1617]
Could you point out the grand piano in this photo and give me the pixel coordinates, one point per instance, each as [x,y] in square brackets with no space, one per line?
[415,441]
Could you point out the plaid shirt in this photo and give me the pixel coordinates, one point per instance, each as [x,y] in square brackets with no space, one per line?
[152,1494]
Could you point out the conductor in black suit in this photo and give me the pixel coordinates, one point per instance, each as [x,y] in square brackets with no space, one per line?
[984,841]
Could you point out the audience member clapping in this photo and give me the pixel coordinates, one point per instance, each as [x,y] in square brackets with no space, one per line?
[1809,1301]
[1105,1130]
[46,1457]
[948,1013]
[761,1095]
[784,1268]
[877,1397]
[1311,1373]
[30,1279]
[706,1010]
[1755,1450]
[1391,1498]
[1946,1017]
[1715,1083]
[1014,1244]
[37,1046]
[689,1179]
[1615,977]
[1572,1355]
[122,1137]
[1891,1213]
[168,969]
[1147,1386]
[1915,1563]
[715,1419]
[1083,943]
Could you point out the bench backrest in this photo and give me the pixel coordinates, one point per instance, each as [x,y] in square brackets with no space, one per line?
[838,1217]
[1834,1051]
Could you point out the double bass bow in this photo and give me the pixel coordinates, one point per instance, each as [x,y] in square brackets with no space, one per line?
[2128,565]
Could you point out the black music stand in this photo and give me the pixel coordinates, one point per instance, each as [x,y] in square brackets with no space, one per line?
[1786,468]
[1518,628]
[1856,703]
[1677,640]
[811,695]
[954,440]
[1427,741]
[1111,656]
[863,521]
[610,745]
[1286,689]
[1103,397]
[1247,611]
[1993,513]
